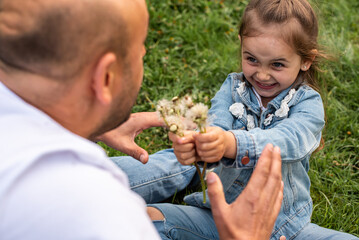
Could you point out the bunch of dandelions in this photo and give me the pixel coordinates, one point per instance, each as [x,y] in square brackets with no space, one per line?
[178,114]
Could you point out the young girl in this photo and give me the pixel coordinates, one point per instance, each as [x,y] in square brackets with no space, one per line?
[272,101]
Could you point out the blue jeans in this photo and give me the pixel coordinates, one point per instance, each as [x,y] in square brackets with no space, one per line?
[163,176]
[187,222]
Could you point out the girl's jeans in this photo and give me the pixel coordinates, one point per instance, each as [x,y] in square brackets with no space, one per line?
[160,178]
[163,176]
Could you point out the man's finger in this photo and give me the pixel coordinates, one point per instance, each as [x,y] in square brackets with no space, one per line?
[216,194]
[279,200]
[139,154]
[262,171]
[274,180]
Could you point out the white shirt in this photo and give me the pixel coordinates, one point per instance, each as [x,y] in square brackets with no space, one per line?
[57,185]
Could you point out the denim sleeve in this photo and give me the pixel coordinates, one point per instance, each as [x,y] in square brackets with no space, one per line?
[297,135]
[218,113]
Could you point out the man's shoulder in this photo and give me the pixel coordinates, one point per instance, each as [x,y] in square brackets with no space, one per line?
[27,131]
[31,140]
[29,134]
[61,196]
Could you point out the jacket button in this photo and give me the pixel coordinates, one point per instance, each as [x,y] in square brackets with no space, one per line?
[245,160]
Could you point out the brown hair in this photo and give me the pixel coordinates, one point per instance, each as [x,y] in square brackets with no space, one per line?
[303,38]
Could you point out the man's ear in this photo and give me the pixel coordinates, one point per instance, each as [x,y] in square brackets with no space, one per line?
[103,78]
[307,63]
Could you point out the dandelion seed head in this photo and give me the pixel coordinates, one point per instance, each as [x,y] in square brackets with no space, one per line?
[173,128]
[164,107]
[198,113]
[180,109]
[175,124]
[180,114]
[171,111]
[187,101]
[175,99]
[164,103]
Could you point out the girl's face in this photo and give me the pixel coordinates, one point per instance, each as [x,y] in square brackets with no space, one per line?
[270,64]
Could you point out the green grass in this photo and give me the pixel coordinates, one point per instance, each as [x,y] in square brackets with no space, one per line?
[191,47]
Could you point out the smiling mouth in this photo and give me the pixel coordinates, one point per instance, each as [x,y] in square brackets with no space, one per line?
[265,86]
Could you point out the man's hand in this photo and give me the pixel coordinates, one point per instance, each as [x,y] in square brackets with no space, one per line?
[123,137]
[252,215]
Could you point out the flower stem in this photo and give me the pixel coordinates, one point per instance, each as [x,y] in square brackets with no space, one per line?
[203,182]
[201,176]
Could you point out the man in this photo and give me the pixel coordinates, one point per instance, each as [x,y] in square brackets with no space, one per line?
[69,72]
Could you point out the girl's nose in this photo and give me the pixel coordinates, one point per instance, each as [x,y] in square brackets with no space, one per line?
[263,76]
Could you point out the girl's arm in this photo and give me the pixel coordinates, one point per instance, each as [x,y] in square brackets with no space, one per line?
[219,114]
[297,135]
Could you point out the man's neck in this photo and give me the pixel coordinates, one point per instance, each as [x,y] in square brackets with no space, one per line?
[53,98]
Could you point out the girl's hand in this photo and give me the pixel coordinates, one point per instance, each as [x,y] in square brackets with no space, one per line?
[215,144]
[184,147]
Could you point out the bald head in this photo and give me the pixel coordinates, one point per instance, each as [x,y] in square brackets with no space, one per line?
[57,39]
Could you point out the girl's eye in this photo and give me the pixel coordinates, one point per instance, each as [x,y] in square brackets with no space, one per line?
[278,64]
[251,59]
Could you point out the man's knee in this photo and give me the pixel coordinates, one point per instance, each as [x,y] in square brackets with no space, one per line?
[155,214]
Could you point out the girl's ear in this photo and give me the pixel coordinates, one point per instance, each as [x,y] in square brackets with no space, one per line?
[239,37]
[103,78]
[307,63]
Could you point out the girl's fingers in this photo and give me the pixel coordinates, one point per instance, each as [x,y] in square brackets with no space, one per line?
[186,160]
[213,155]
[212,134]
[184,147]
[187,138]
[205,137]
[185,155]
[204,147]
[189,161]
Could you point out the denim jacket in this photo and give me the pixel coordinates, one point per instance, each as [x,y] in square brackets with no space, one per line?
[293,121]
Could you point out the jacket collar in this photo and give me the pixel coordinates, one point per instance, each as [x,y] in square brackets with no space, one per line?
[245,94]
